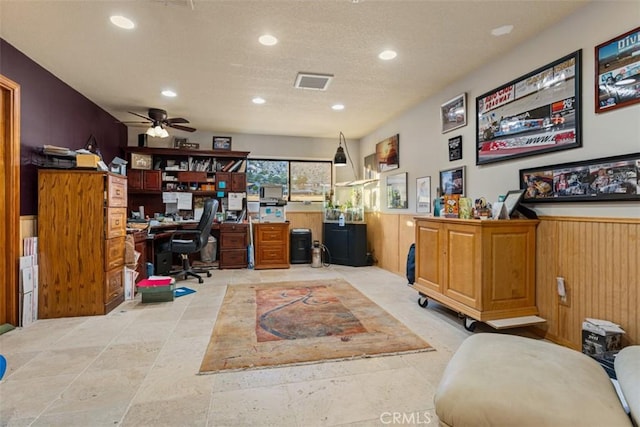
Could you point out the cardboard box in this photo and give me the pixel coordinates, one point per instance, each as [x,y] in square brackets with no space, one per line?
[87,161]
[600,336]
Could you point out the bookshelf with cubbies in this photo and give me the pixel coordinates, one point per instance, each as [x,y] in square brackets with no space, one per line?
[203,173]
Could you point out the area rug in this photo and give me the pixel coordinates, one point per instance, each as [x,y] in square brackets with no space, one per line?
[288,323]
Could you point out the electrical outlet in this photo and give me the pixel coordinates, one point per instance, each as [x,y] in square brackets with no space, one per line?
[562,291]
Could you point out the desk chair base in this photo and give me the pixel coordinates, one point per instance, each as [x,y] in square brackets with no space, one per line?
[187,270]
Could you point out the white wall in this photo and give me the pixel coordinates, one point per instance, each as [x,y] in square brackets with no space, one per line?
[424,150]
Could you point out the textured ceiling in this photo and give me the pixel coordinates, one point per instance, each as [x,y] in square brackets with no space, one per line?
[210,56]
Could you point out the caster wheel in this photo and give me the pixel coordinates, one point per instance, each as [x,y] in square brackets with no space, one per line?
[208,274]
[200,281]
[469,324]
[423,301]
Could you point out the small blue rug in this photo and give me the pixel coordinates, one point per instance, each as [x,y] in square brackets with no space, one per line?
[180,292]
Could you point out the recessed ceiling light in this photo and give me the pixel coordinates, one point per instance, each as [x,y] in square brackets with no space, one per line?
[387,55]
[258,100]
[268,40]
[122,22]
[337,107]
[501,31]
[169,93]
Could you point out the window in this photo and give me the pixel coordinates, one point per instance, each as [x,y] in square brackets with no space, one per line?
[302,180]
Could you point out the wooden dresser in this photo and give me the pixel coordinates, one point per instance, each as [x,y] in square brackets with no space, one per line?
[82,219]
[482,269]
[271,241]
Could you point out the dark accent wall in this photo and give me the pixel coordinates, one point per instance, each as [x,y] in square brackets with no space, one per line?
[54,113]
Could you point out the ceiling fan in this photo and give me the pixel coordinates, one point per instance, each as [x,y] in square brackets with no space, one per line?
[158,119]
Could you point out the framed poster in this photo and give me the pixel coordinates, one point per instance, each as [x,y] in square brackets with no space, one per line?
[222,143]
[141,161]
[371,167]
[536,113]
[423,194]
[397,191]
[604,179]
[453,113]
[455,148]
[617,79]
[388,154]
[452,181]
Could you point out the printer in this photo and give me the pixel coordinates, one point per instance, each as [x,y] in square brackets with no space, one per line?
[272,204]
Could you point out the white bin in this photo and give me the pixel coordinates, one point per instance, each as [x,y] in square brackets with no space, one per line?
[208,253]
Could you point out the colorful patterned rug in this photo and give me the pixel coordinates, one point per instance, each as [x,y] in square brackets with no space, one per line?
[290,323]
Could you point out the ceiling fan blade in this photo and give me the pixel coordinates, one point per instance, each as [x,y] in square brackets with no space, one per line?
[140,115]
[184,128]
[176,120]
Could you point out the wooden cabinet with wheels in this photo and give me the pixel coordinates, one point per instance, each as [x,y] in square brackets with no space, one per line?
[232,245]
[271,243]
[81,234]
[482,269]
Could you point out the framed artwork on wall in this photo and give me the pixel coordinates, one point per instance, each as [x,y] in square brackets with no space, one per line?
[605,179]
[453,113]
[617,76]
[423,194]
[452,181]
[388,153]
[222,143]
[455,148]
[537,113]
[397,191]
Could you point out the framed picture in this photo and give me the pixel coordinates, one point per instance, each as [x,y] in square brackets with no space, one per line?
[397,191]
[455,148]
[177,141]
[617,80]
[371,167]
[453,113]
[222,143]
[141,161]
[388,154]
[452,181]
[604,179]
[536,113]
[423,194]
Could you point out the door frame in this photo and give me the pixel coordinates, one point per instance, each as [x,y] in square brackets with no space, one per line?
[10,196]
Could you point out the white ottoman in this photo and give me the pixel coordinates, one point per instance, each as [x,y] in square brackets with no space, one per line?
[505,380]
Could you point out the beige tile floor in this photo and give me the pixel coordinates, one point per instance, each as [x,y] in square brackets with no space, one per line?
[138,365]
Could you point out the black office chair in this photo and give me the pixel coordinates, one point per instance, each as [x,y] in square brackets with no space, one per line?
[185,242]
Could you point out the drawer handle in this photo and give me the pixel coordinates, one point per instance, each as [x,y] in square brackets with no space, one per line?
[118,192]
[117,222]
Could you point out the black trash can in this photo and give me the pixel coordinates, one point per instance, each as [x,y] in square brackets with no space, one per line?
[300,246]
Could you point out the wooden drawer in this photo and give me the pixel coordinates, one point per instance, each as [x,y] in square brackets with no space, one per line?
[114,286]
[116,191]
[238,181]
[271,234]
[233,241]
[235,258]
[272,255]
[114,253]
[116,222]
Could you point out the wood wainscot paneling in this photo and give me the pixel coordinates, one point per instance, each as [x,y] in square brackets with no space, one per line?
[310,220]
[599,259]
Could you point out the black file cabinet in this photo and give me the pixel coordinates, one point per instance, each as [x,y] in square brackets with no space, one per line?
[347,244]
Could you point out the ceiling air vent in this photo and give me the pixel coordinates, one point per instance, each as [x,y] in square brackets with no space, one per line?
[313,81]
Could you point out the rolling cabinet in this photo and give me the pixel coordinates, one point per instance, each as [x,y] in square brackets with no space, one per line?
[81,233]
[482,269]
[232,246]
[271,243]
